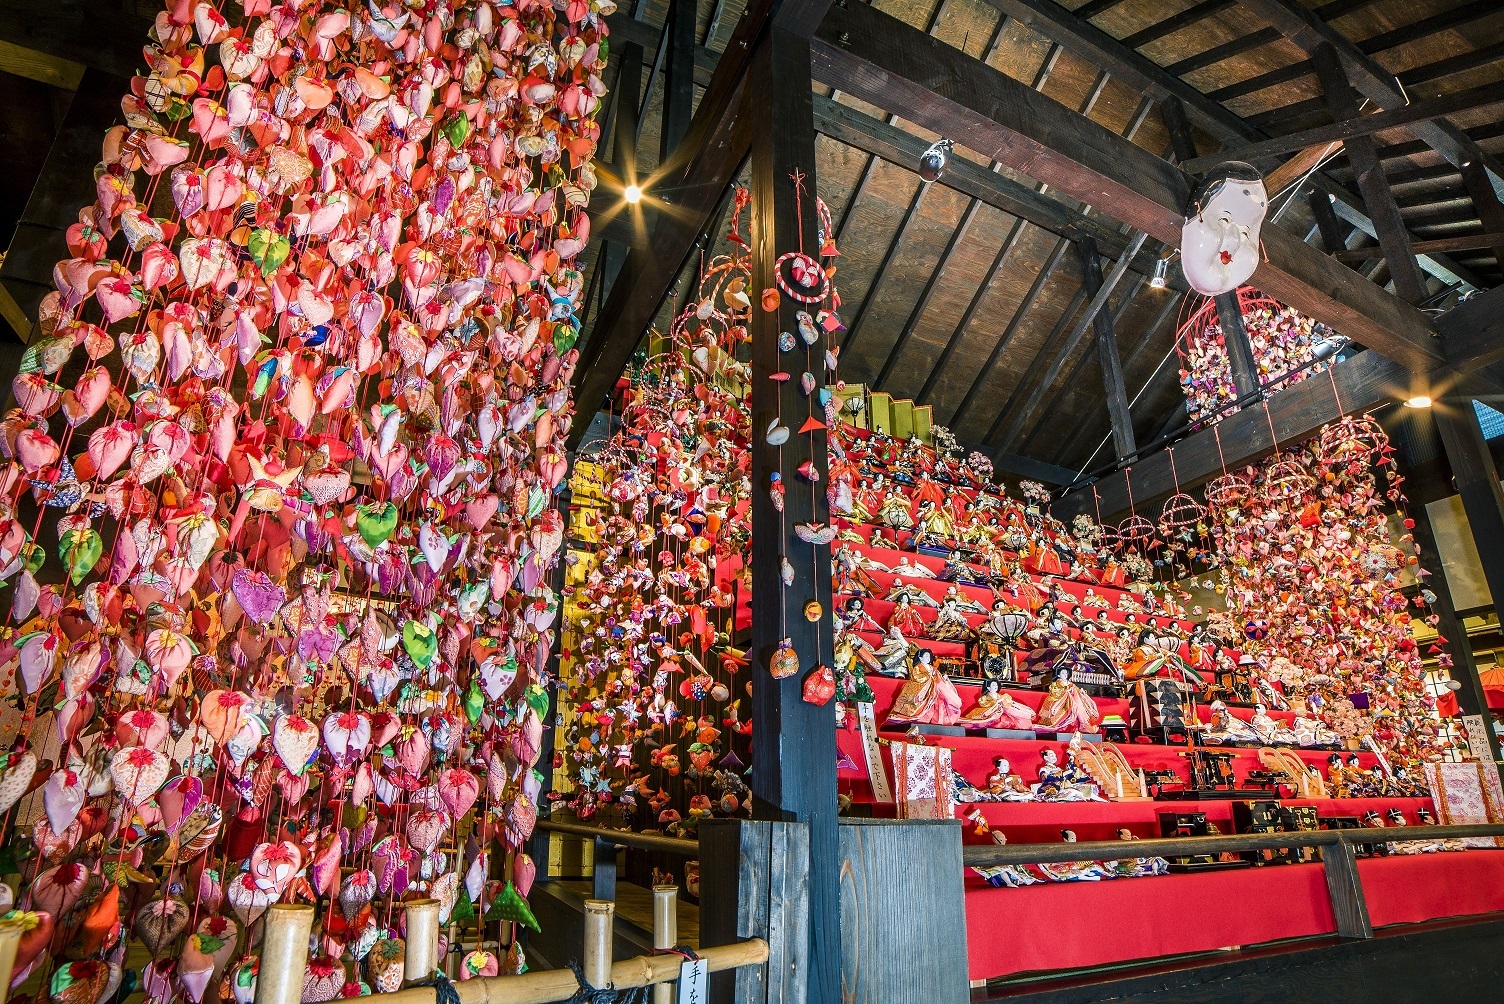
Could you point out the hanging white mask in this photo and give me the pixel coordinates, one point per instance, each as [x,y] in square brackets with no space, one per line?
[1219,243]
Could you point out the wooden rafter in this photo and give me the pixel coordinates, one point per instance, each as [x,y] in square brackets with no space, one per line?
[884,61]
[1308,31]
[1362,125]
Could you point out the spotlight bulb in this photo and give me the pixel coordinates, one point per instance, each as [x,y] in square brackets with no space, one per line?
[1161,273]
[1418,401]
[632,194]
[932,162]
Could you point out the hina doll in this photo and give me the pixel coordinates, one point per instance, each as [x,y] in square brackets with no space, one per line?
[1153,656]
[1225,730]
[997,710]
[1311,733]
[1075,871]
[950,624]
[850,577]
[895,512]
[1270,730]
[854,617]
[905,618]
[894,654]
[1052,783]
[1067,708]
[928,698]
[1006,786]
[917,570]
[933,525]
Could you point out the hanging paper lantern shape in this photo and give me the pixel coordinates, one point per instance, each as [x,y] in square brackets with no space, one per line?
[1287,347]
[1228,493]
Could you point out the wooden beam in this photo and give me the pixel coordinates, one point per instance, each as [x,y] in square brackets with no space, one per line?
[794,755]
[1360,125]
[1477,481]
[1364,158]
[906,332]
[1006,338]
[1137,71]
[1468,242]
[1191,15]
[1108,357]
[951,343]
[1094,308]
[1028,467]
[1295,414]
[1245,369]
[63,185]
[1308,31]
[39,66]
[1474,330]
[855,129]
[104,36]
[1334,232]
[884,61]
[1254,39]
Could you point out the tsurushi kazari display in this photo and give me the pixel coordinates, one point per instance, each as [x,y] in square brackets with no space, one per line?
[279,491]
[1284,341]
[660,530]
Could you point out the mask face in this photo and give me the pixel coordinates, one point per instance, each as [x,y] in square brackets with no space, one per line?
[1219,247]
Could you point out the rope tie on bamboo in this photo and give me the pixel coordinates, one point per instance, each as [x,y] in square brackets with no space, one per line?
[608,994]
[444,991]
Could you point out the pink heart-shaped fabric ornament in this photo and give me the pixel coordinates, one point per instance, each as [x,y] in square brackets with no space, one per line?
[248,899]
[142,727]
[62,796]
[118,298]
[411,750]
[323,870]
[168,653]
[110,446]
[274,865]
[260,597]
[458,790]
[177,800]
[425,828]
[138,772]
[87,397]
[295,739]
[347,736]
[36,450]
[40,656]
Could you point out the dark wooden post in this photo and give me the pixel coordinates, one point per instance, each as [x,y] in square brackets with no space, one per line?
[903,926]
[754,884]
[1107,354]
[1345,888]
[793,741]
[1363,155]
[1245,369]
[678,75]
[1477,481]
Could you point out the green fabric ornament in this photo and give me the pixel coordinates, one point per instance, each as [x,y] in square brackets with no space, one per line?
[375,521]
[268,249]
[80,549]
[420,643]
[475,702]
[511,906]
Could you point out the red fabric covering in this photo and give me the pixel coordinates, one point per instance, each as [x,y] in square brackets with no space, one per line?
[1079,924]
[1408,889]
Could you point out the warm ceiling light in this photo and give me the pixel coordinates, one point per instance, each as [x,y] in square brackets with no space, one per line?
[632,194]
[1418,401]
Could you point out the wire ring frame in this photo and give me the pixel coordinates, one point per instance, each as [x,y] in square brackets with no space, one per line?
[1352,440]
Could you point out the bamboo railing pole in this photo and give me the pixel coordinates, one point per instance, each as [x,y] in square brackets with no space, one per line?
[550,985]
[422,941]
[599,917]
[665,931]
[10,940]
[284,954]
